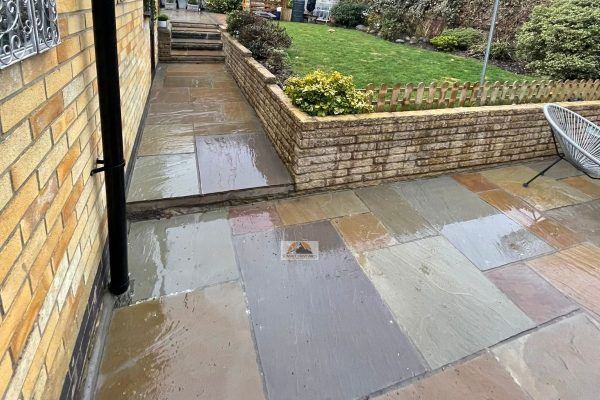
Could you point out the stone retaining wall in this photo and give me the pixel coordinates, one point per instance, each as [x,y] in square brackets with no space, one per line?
[360,150]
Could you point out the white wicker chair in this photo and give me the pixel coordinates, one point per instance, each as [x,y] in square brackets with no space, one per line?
[578,138]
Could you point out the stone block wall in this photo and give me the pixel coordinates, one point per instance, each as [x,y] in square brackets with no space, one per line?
[360,150]
[164,42]
[52,212]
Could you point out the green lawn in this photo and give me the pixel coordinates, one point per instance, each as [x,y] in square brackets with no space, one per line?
[372,60]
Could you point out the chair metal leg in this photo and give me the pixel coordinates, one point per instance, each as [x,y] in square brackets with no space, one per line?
[526,184]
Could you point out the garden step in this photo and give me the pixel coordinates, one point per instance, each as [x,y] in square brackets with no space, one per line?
[196,44]
[206,34]
[193,25]
[197,56]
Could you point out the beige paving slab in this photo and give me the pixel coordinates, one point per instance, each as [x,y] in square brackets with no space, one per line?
[544,193]
[321,206]
[587,185]
[194,345]
[395,213]
[583,219]
[446,305]
[574,271]
[481,378]
[557,362]
[475,182]
[166,139]
[363,232]
[561,170]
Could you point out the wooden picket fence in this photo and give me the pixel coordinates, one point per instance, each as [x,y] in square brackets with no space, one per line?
[450,95]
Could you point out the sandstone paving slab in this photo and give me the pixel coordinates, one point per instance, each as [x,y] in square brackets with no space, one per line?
[481,378]
[363,232]
[475,182]
[395,213]
[193,345]
[165,139]
[238,111]
[575,272]
[518,210]
[558,361]
[238,161]
[219,128]
[218,95]
[321,329]
[187,81]
[181,253]
[187,113]
[583,219]
[170,95]
[254,218]
[531,293]
[585,184]
[164,177]
[544,193]
[495,240]
[443,200]
[562,169]
[447,306]
[317,207]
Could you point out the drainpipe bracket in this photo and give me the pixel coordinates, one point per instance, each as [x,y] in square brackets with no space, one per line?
[105,167]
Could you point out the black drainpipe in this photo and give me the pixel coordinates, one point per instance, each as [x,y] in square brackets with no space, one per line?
[113,164]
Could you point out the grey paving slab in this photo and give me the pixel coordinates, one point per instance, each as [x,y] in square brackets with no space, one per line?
[164,177]
[561,170]
[167,139]
[238,161]
[447,306]
[321,328]
[395,213]
[558,362]
[494,240]
[190,346]
[443,200]
[581,218]
[181,253]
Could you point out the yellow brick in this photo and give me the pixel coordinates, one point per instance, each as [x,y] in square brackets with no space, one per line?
[59,127]
[57,205]
[67,49]
[13,317]
[14,210]
[6,190]
[38,391]
[5,373]
[19,106]
[20,270]
[87,39]
[13,145]
[79,63]
[38,360]
[48,166]
[29,161]
[76,23]
[9,253]
[22,368]
[11,80]
[38,65]
[38,208]
[65,6]
[58,79]
[46,114]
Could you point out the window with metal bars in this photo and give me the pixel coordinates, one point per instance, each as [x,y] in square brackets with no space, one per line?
[27,27]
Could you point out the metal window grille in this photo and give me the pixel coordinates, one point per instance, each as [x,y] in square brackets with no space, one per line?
[27,27]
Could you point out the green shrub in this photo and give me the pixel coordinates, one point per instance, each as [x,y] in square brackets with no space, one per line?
[223,6]
[320,93]
[560,40]
[193,2]
[238,18]
[348,13]
[278,63]
[262,36]
[163,17]
[458,39]
[501,50]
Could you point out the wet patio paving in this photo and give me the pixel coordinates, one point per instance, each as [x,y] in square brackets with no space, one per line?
[456,287]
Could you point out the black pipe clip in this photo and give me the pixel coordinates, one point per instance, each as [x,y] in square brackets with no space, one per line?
[105,167]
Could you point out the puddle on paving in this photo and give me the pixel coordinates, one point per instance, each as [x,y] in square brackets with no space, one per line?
[477,379]
[255,218]
[167,139]
[494,240]
[575,271]
[447,307]
[395,213]
[531,293]
[238,161]
[163,177]
[443,201]
[321,328]
[181,253]
[559,361]
[191,346]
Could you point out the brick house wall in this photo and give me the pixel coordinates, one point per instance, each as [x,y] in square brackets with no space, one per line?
[52,212]
[360,150]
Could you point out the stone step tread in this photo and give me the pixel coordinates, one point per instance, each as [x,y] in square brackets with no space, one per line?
[211,53]
[202,30]
[196,41]
[192,25]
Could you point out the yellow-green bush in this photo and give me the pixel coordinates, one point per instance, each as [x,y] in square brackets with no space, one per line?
[320,94]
